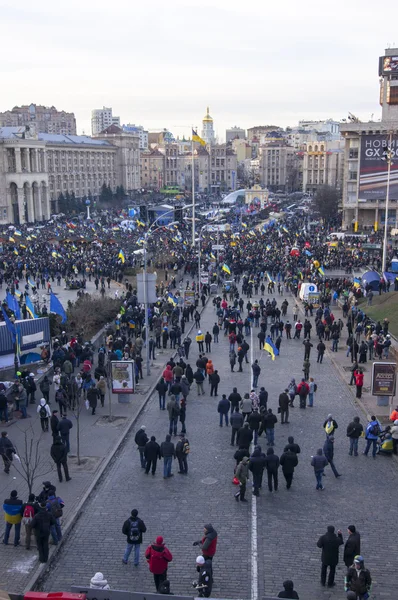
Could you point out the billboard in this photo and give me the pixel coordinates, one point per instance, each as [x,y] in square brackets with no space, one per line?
[388,65]
[383,379]
[122,376]
[373,169]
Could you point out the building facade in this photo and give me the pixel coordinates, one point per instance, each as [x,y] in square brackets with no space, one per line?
[235,133]
[44,119]
[255,132]
[35,168]
[208,129]
[322,164]
[142,134]
[276,164]
[101,118]
[223,168]
[365,180]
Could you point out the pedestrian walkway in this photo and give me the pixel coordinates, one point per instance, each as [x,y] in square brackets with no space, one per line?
[282,527]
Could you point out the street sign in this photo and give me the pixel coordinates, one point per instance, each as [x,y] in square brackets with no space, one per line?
[383,379]
[217,247]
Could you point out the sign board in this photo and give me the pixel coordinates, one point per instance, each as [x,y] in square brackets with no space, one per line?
[383,379]
[388,65]
[373,172]
[189,297]
[122,376]
[217,247]
[151,297]
[204,278]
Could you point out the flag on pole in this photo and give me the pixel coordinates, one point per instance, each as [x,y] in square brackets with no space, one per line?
[308,253]
[30,308]
[121,256]
[10,326]
[321,271]
[57,308]
[13,305]
[270,347]
[197,138]
[226,269]
[18,233]
[172,299]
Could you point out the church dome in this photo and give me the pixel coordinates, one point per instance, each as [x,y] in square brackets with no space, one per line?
[208,118]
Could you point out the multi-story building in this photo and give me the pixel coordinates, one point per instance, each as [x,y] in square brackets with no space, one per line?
[152,169]
[208,129]
[45,119]
[223,168]
[235,133]
[366,178]
[101,118]
[322,164]
[255,132]
[276,164]
[242,149]
[35,168]
[142,133]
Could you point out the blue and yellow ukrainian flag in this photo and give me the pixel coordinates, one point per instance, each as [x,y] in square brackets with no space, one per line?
[285,230]
[197,138]
[121,256]
[226,269]
[172,299]
[270,347]
[18,233]
[30,308]
[357,282]
[321,271]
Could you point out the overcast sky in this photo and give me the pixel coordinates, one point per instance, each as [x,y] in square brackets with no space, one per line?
[160,63]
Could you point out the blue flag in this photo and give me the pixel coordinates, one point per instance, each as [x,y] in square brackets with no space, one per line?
[30,308]
[10,326]
[13,305]
[57,308]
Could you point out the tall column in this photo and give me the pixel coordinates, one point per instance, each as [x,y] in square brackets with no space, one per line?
[18,164]
[27,160]
[38,204]
[46,202]
[29,200]
[21,205]
[45,161]
[36,163]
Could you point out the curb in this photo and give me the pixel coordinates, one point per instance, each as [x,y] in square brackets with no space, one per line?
[41,572]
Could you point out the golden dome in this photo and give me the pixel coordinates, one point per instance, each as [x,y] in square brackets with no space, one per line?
[208,118]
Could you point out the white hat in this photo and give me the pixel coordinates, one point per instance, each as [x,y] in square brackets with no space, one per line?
[200,560]
[143,427]
[31,374]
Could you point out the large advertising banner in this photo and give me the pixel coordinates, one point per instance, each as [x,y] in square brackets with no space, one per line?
[122,375]
[373,169]
[388,65]
[383,379]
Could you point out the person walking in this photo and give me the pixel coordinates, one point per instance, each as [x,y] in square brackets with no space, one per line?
[133,528]
[141,439]
[244,437]
[284,401]
[255,420]
[161,389]
[151,454]
[354,432]
[330,425]
[288,462]
[330,544]
[44,413]
[28,512]
[59,454]
[236,421]
[242,475]
[158,557]
[92,396]
[359,382]
[64,427]
[319,462]
[54,422]
[358,579]
[174,410]
[352,546]
[55,506]
[372,434]
[256,466]
[272,466]
[41,525]
[7,451]
[13,511]
[223,410]
[256,373]
[269,421]
[246,406]
[167,451]
[292,445]
[312,389]
[214,380]
[321,351]
[182,451]
[328,451]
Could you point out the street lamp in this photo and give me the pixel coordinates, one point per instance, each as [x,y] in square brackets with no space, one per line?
[200,251]
[146,236]
[387,156]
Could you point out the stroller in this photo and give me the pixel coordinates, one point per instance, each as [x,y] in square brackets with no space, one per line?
[385,443]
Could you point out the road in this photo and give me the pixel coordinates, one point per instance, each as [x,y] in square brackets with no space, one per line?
[281,528]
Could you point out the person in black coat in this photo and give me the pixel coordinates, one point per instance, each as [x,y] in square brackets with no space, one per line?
[152,454]
[54,423]
[133,529]
[41,524]
[235,399]
[272,466]
[59,454]
[214,382]
[352,546]
[256,466]
[292,445]
[288,591]
[245,436]
[64,427]
[240,454]
[141,440]
[288,462]
[330,543]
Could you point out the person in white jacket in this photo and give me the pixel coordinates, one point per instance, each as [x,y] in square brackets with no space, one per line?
[98,582]
[44,413]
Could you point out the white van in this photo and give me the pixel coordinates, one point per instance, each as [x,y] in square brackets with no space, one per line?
[306,290]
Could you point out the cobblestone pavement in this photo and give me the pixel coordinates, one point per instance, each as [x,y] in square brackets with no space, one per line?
[288,523]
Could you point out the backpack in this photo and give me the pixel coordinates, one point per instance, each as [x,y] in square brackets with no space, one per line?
[59,396]
[43,412]
[28,514]
[375,429]
[56,508]
[135,533]
[315,387]
[186,449]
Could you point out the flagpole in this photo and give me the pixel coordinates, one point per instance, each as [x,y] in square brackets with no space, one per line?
[193,198]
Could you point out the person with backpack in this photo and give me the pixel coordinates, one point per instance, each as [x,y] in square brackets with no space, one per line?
[182,451]
[372,434]
[29,510]
[303,390]
[59,454]
[41,525]
[55,506]
[158,557]
[44,413]
[64,427]
[45,388]
[133,529]
[61,397]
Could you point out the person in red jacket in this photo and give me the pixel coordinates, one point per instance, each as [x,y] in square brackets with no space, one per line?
[359,382]
[208,543]
[158,558]
[168,375]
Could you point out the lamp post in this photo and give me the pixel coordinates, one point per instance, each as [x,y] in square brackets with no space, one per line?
[146,236]
[388,155]
[200,251]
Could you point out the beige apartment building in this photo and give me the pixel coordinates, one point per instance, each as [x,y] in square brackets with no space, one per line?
[322,164]
[35,168]
[45,119]
[276,164]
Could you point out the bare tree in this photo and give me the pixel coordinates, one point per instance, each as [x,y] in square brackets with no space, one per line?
[32,464]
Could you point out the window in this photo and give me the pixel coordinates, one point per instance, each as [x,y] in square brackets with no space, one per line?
[353,153]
